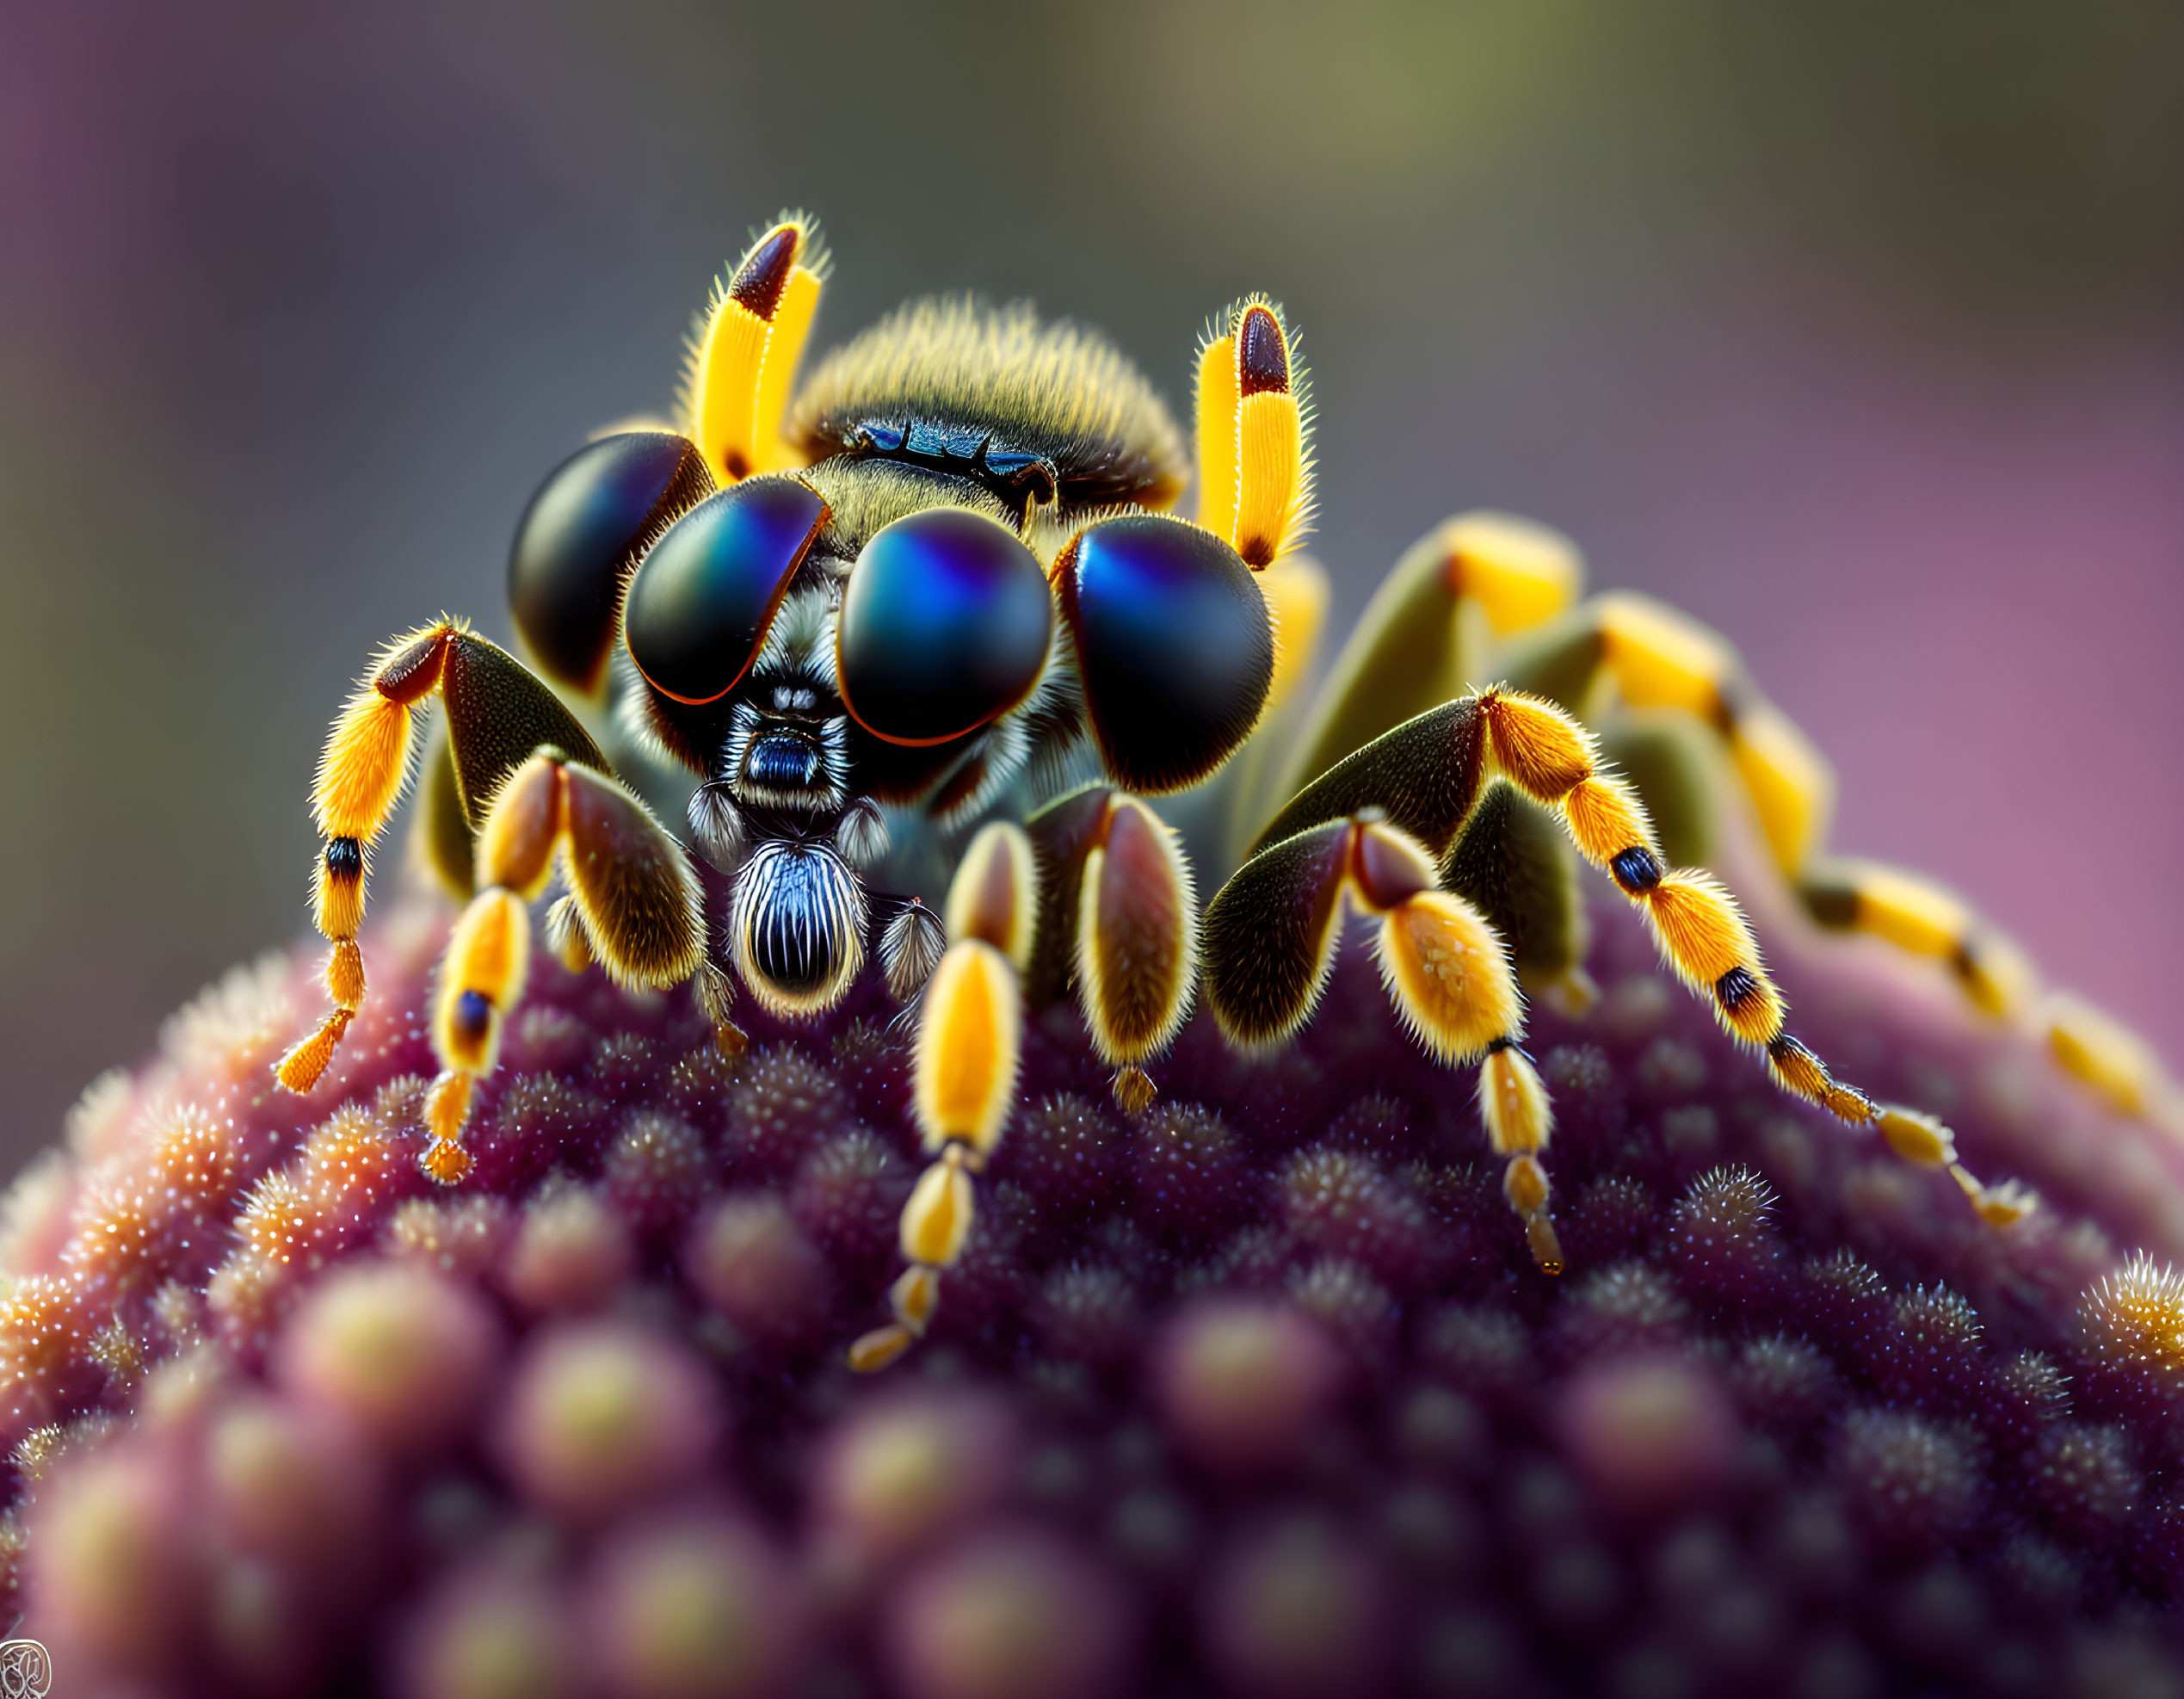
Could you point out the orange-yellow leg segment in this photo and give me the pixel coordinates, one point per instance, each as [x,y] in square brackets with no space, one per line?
[1448,976]
[2111,1059]
[633,906]
[1655,657]
[1254,417]
[480,979]
[365,765]
[963,1078]
[360,778]
[1922,917]
[1701,934]
[743,361]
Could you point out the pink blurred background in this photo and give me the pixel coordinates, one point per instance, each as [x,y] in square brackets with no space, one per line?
[1855,331]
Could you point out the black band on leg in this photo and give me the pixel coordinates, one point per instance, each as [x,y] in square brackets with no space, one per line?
[1637,868]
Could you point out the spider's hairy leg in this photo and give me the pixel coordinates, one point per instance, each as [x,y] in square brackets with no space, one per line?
[1271,934]
[1547,754]
[970,1034]
[1513,862]
[1118,915]
[1254,422]
[497,714]
[1922,917]
[2112,1060]
[443,841]
[1429,634]
[1658,658]
[633,905]
[743,359]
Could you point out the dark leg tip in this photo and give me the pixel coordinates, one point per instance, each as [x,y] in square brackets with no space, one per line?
[761,278]
[1263,361]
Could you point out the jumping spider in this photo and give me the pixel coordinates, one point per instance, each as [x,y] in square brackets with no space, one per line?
[931,609]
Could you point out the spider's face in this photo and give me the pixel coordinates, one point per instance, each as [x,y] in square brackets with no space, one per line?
[947,582]
[778,633]
[808,642]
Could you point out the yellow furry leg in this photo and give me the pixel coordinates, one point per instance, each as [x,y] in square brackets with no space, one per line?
[1700,932]
[963,1080]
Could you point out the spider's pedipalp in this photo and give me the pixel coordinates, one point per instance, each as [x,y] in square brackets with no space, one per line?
[910,949]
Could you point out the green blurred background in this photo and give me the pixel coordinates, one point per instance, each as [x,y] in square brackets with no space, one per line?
[1856,330]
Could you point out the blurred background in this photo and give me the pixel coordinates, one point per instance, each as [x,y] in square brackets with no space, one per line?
[1858,331]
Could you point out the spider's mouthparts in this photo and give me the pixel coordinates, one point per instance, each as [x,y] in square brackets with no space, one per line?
[785,761]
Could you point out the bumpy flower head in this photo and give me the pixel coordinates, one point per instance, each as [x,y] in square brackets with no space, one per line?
[1259,1393]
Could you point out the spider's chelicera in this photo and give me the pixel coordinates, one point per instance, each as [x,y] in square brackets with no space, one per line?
[927,622]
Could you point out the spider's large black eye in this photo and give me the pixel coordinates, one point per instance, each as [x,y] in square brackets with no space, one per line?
[699,604]
[1173,645]
[945,627]
[581,534]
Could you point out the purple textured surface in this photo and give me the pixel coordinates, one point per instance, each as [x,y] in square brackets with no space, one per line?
[1259,1395]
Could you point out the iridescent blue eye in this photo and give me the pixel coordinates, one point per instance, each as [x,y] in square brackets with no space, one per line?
[945,627]
[700,605]
[1172,646]
[579,537]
